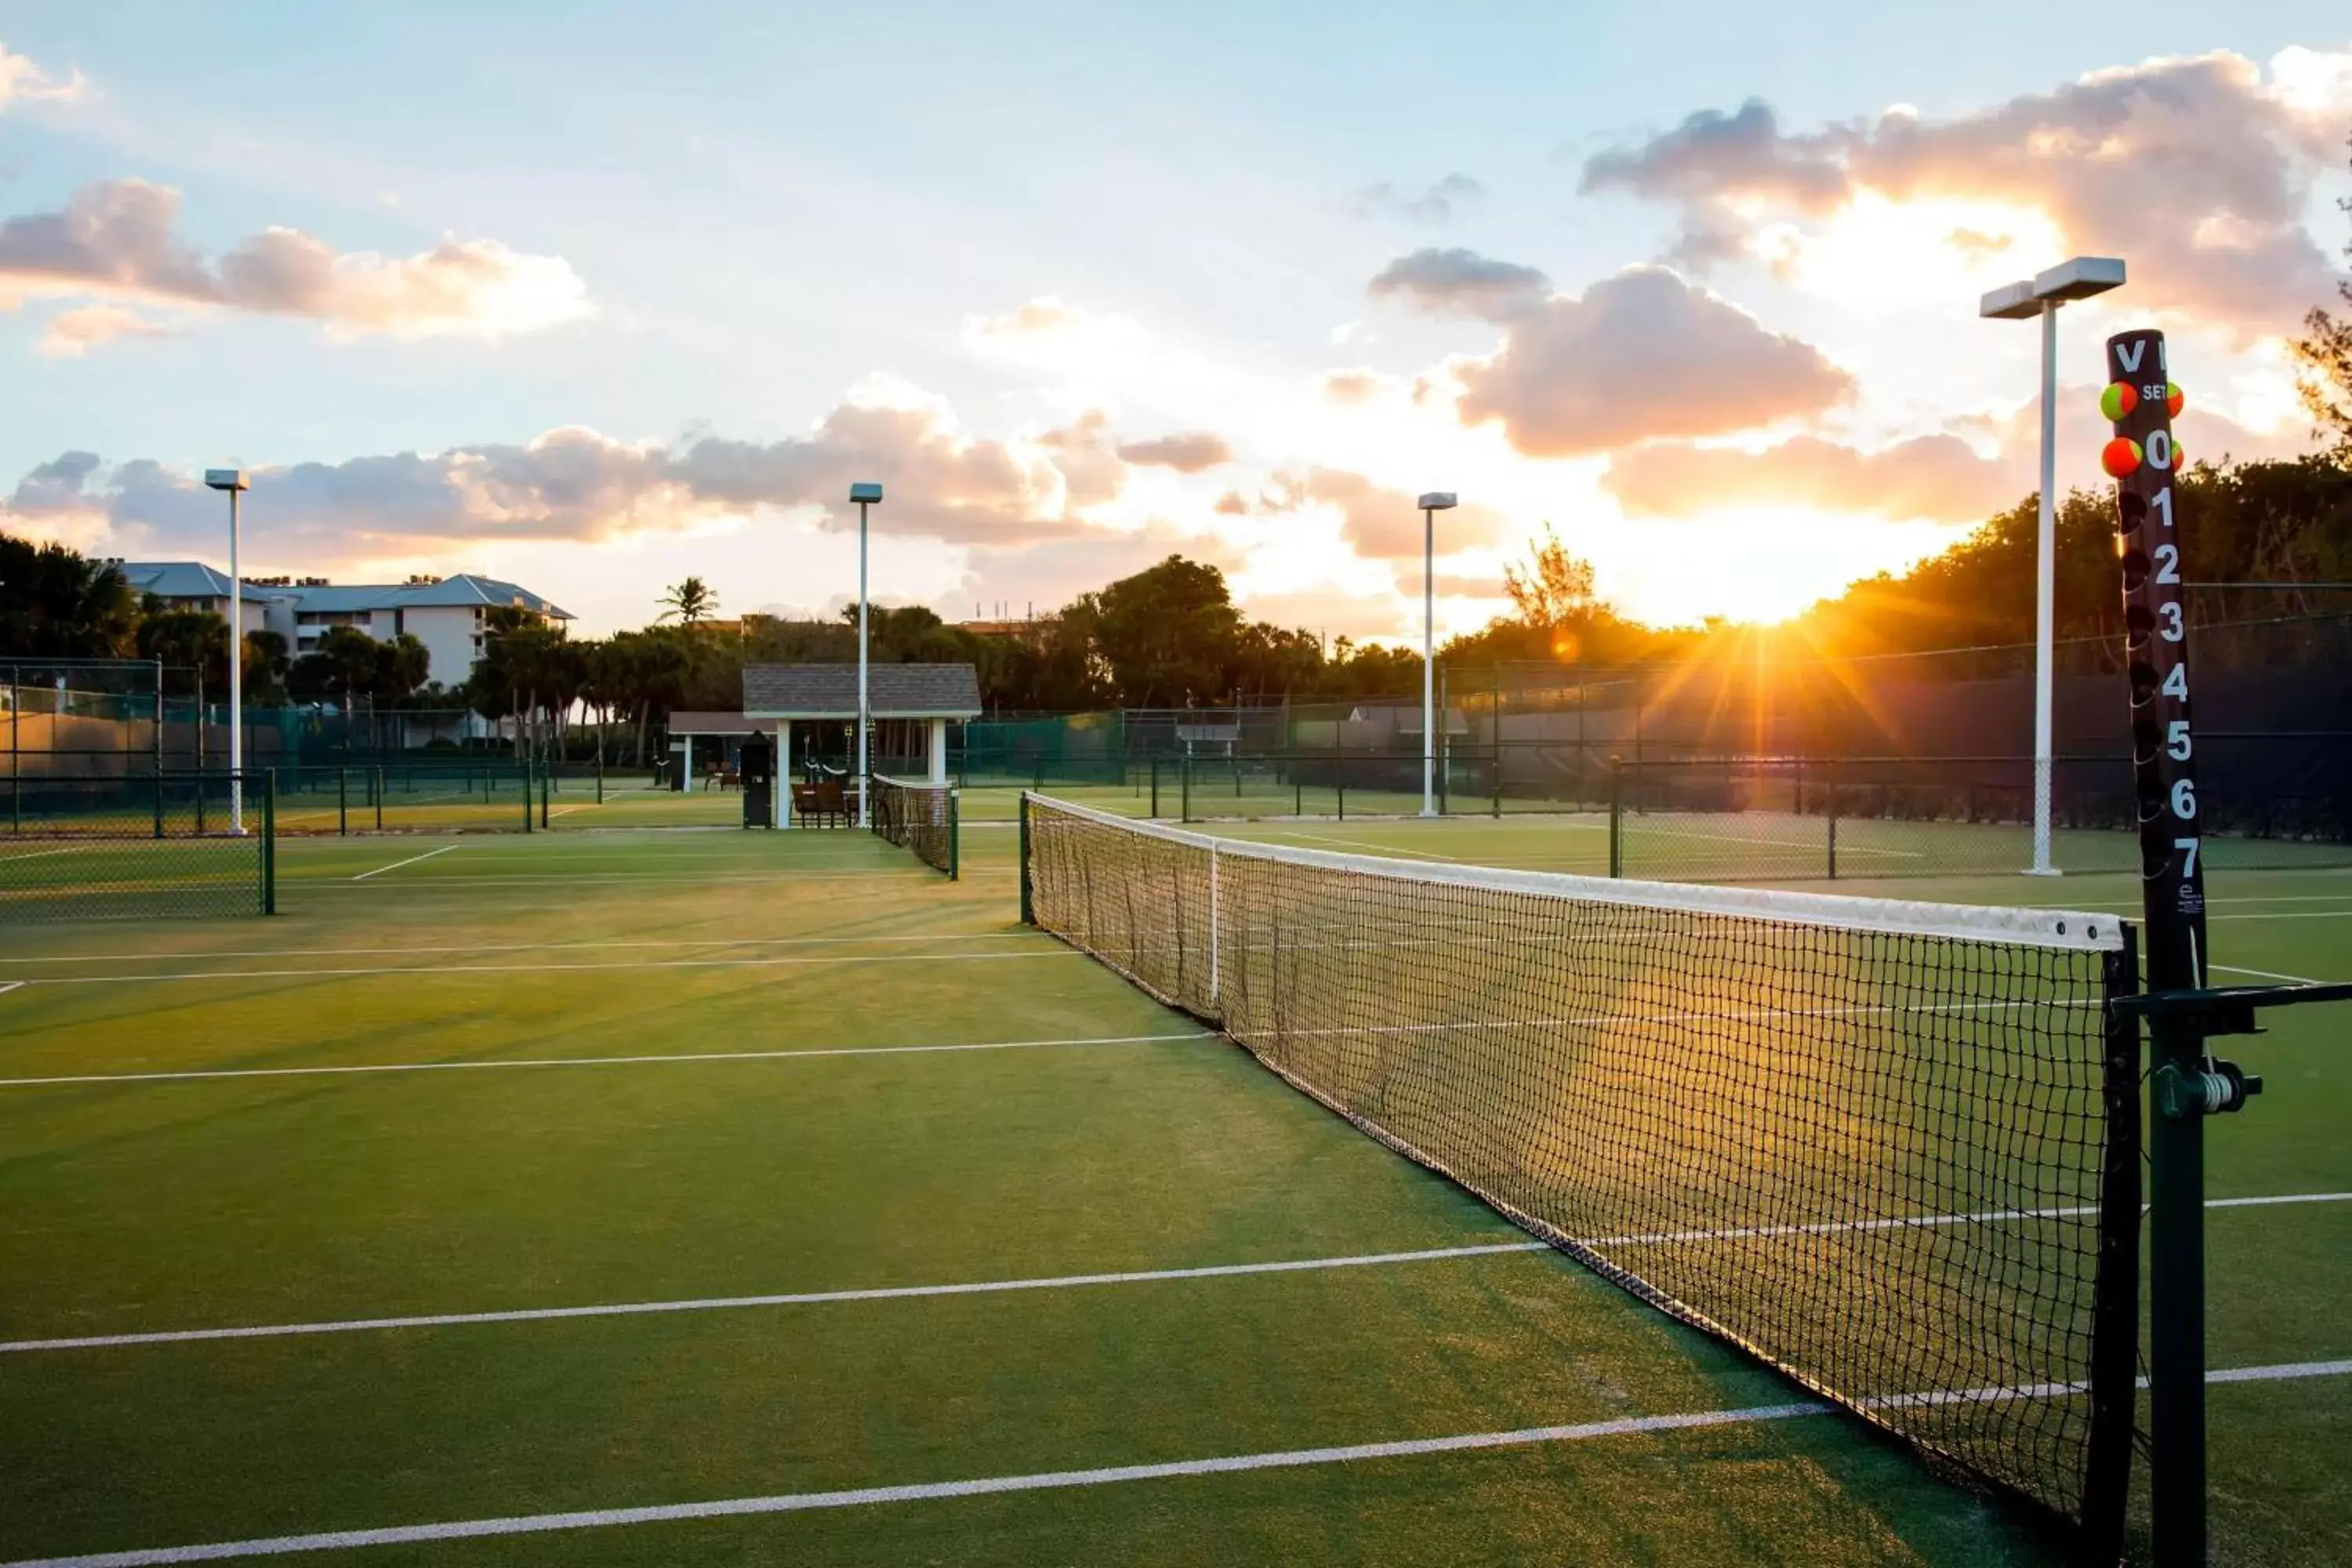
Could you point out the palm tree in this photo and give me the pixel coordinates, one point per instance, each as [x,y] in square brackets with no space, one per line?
[692,602]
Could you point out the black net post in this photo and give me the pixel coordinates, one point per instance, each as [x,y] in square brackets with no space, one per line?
[546,790]
[344,799]
[955,838]
[1185,788]
[377,783]
[2139,401]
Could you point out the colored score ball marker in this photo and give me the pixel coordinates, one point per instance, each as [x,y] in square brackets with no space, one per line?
[2120,457]
[2173,399]
[2118,400]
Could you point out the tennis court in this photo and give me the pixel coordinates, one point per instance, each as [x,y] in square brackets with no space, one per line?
[660,1196]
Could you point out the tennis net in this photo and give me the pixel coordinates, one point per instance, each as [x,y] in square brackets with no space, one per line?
[920,816]
[1892,1149]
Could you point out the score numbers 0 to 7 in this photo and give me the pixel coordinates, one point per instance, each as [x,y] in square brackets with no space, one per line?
[2122,458]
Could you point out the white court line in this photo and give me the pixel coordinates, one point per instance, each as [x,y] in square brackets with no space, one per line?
[39,854]
[1071,1281]
[1368,844]
[396,865]
[804,1299]
[525,947]
[2264,973]
[1053,1481]
[8,985]
[487,1063]
[550,968]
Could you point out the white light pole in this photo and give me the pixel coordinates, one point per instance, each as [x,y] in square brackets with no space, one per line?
[864,495]
[236,482]
[1432,504]
[2040,296]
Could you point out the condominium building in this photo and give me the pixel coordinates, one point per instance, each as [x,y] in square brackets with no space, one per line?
[448,616]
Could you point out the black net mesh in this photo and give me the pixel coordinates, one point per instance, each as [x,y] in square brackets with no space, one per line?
[1886,1147]
[920,816]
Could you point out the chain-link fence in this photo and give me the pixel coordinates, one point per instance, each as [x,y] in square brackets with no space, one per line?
[167,845]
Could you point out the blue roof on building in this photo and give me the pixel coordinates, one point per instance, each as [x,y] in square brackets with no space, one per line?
[194,580]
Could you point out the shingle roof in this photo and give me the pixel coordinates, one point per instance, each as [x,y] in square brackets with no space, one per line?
[690,722]
[194,580]
[187,579]
[830,690]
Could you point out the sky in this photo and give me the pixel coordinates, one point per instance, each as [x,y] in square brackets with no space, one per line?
[596,296]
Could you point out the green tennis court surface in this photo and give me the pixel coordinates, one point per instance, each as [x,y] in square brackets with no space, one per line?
[669,1069]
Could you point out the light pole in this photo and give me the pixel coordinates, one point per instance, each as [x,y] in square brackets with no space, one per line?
[236,482]
[864,495]
[1432,504]
[2040,296]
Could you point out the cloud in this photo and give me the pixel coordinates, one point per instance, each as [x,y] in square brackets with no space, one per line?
[2197,169]
[1379,522]
[72,334]
[1432,205]
[1333,612]
[1354,387]
[1458,283]
[1938,478]
[579,485]
[115,239]
[22,82]
[1642,356]
[1046,313]
[1092,473]
[1188,453]
[1046,576]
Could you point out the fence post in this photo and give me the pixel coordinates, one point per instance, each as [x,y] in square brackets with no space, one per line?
[1495,783]
[1028,908]
[1616,818]
[269,841]
[1831,809]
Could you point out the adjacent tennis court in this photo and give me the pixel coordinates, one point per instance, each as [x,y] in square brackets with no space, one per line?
[662,1197]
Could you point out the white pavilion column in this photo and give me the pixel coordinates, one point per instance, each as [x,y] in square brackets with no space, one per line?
[685,768]
[783,773]
[939,751]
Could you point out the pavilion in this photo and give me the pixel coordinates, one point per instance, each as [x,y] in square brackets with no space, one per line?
[910,705]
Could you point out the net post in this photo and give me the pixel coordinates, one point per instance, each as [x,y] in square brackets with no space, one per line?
[1028,904]
[1155,788]
[269,841]
[158,799]
[2139,401]
[1616,817]
[1184,774]
[600,767]
[955,838]
[2114,1292]
[527,808]
[546,790]
[380,785]
[1214,945]
[343,800]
